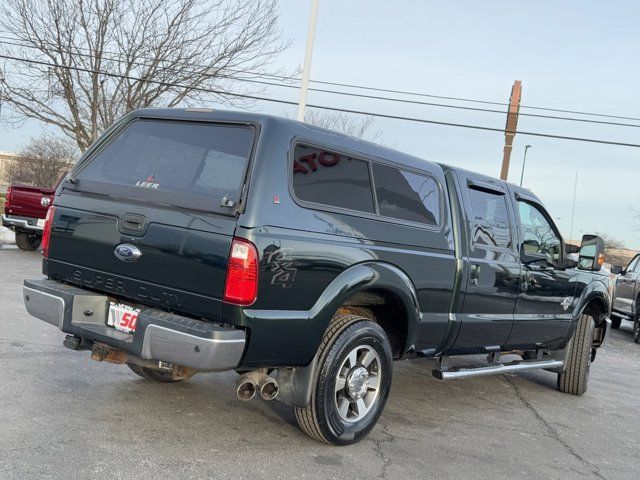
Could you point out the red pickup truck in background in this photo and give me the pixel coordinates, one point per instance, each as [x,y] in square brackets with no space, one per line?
[25,210]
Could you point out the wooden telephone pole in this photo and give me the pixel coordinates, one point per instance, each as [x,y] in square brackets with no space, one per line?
[511,126]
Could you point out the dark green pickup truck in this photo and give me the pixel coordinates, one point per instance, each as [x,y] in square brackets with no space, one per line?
[307,261]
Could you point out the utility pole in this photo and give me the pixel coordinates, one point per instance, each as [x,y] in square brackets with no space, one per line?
[307,59]
[510,127]
[573,208]
[524,162]
[1,89]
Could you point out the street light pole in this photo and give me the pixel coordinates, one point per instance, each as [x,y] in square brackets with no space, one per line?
[307,59]
[524,162]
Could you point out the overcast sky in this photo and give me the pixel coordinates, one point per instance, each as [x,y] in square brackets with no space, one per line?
[578,55]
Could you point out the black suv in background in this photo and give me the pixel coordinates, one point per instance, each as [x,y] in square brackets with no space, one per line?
[307,261]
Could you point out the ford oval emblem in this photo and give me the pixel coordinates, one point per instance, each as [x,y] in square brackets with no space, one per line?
[127,252]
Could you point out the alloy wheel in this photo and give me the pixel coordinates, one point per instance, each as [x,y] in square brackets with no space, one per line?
[358,383]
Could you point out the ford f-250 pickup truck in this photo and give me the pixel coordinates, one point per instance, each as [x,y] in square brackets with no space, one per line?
[25,211]
[190,241]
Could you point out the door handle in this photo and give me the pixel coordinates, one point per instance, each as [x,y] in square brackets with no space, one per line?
[526,281]
[133,224]
[474,275]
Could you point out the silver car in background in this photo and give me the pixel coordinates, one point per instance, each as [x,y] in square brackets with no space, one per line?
[626,296]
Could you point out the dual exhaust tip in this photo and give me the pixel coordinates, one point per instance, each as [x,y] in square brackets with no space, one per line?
[254,382]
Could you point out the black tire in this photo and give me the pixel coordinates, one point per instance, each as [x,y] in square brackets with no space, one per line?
[615,322]
[153,374]
[28,242]
[575,378]
[321,419]
[636,328]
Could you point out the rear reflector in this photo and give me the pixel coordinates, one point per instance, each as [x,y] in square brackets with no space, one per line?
[46,232]
[241,287]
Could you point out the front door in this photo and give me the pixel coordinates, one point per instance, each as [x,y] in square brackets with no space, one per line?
[545,303]
[625,289]
[494,269]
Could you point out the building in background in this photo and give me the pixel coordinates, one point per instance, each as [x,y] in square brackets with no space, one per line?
[6,159]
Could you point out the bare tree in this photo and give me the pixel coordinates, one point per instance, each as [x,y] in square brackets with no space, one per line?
[610,242]
[91,61]
[42,161]
[356,126]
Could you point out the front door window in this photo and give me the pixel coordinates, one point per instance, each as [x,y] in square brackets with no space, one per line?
[539,238]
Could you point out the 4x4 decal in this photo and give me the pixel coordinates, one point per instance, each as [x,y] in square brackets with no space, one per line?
[282,267]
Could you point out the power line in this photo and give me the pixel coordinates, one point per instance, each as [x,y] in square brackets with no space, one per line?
[375,97]
[325,107]
[384,90]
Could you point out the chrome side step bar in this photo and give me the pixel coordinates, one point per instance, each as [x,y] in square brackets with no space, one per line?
[495,369]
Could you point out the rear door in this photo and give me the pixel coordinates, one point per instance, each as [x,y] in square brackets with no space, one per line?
[167,189]
[494,278]
[626,287]
[545,303]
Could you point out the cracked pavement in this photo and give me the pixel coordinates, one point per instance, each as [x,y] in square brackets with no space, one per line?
[65,416]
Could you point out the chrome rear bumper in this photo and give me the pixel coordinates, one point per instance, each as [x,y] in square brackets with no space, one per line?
[21,223]
[159,335]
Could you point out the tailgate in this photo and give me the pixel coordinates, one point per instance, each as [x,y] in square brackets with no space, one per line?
[148,218]
[24,201]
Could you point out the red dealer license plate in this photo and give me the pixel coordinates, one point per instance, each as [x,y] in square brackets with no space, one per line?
[123,317]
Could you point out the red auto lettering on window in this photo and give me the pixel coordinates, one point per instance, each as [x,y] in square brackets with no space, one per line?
[329,159]
[298,167]
[310,159]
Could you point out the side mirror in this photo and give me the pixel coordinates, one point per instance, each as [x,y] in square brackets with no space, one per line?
[591,257]
[531,247]
[616,270]
[571,248]
[530,253]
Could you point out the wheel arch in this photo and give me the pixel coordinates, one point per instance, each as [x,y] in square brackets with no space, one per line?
[385,308]
[598,306]
[595,299]
[379,291]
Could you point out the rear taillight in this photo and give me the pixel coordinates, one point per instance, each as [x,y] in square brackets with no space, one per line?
[7,203]
[241,287]
[46,232]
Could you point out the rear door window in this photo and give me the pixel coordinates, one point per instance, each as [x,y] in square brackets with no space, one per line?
[333,179]
[490,219]
[194,165]
[406,196]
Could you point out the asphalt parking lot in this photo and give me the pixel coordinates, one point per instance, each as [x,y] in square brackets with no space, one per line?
[65,416]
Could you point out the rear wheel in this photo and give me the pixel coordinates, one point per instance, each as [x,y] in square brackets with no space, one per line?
[28,242]
[575,377]
[155,375]
[352,381]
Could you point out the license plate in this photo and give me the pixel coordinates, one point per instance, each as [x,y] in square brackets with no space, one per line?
[123,317]
[41,222]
